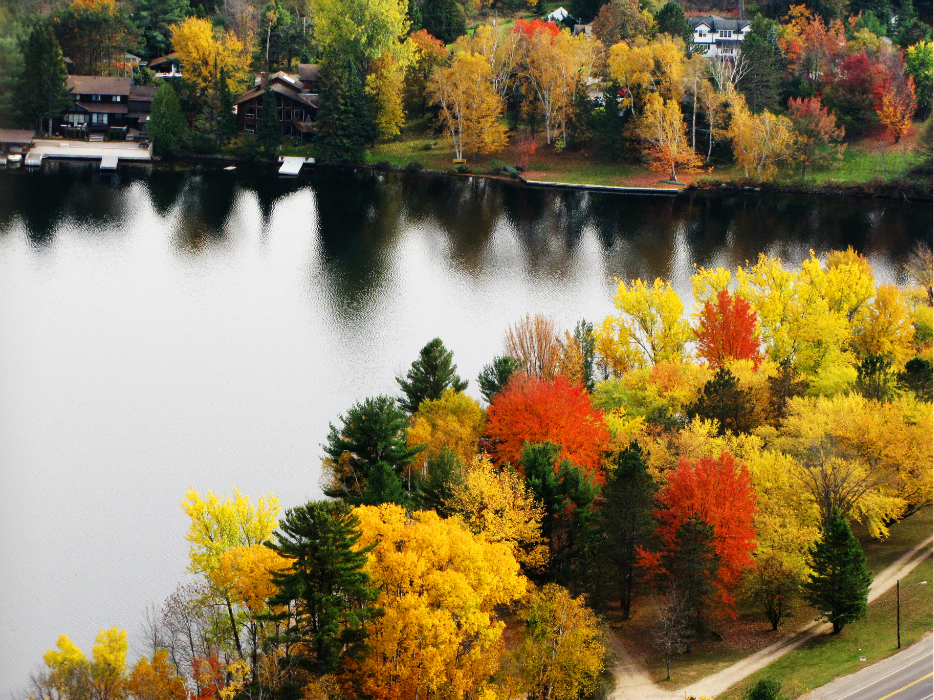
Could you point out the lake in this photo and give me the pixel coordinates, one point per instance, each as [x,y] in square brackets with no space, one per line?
[164,329]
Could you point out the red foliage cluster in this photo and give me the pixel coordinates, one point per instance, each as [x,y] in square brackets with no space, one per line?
[728,330]
[533,410]
[530,27]
[721,493]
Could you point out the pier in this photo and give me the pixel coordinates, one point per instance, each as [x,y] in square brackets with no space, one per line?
[110,153]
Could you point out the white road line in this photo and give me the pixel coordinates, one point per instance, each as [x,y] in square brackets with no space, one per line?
[869,685]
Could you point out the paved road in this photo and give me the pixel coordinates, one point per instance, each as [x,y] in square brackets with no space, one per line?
[908,675]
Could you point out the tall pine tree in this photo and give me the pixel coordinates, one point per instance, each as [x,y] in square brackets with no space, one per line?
[345,122]
[268,129]
[155,18]
[44,92]
[167,124]
[431,374]
[839,584]
[326,591]
[762,83]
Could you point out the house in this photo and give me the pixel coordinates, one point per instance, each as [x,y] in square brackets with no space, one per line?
[102,103]
[296,107]
[718,37]
[557,16]
[585,29]
[15,140]
[167,66]
[309,74]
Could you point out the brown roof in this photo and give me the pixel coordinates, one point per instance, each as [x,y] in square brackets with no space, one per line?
[98,85]
[16,135]
[300,97]
[168,58]
[104,107]
[143,93]
[308,72]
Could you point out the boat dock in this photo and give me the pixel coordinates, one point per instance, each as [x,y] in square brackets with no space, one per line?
[110,153]
[663,191]
[292,165]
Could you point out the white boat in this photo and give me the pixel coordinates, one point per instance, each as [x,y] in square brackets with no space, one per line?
[14,157]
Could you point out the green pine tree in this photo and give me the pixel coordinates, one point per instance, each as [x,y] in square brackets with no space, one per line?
[11,78]
[372,433]
[44,94]
[268,128]
[626,521]
[155,18]
[383,486]
[444,19]
[762,83]
[344,119]
[671,20]
[494,377]
[443,472]
[431,374]
[325,589]
[839,584]
[723,400]
[167,124]
[692,566]
[874,378]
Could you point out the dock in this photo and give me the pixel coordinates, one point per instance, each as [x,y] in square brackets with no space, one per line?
[292,165]
[662,191]
[110,153]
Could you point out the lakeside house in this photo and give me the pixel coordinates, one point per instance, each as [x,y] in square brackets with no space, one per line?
[103,103]
[296,102]
[720,38]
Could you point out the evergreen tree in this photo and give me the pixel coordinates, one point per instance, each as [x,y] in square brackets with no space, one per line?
[11,78]
[608,123]
[167,124]
[765,689]
[873,378]
[626,520]
[383,486]
[722,400]
[839,584]
[444,471]
[431,374]
[344,117]
[325,587]
[692,566]
[585,10]
[444,19]
[226,119]
[917,377]
[584,335]
[670,20]
[373,433]
[154,18]
[762,83]
[495,376]
[44,93]
[786,384]
[268,129]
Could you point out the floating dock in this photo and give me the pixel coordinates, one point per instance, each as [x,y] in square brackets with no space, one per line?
[292,165]
[110,153]
[663,191]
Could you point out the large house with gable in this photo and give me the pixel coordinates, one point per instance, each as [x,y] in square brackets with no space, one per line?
[718,37]
[296,102]
[101,103]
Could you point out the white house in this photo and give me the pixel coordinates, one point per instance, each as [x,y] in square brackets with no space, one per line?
[720,38]
[557,16]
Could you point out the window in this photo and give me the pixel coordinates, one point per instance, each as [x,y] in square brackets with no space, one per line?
[95,98]
[279,114]
[99,119]
[726,33]
[288,115]
[117,98]
[299,115]
[250,113]
[701,34]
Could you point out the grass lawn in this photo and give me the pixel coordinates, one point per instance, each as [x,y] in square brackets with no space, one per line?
[750,632]
[821,660]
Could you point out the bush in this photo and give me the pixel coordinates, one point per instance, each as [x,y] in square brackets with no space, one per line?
[201,144]
[414,167]
[764,689]
[429,145]
[496,167]
[244,146]
[384,165]
[462,168]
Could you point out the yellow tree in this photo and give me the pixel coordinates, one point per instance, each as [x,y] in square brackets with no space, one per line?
[661,128]
[556,66]
[455,421]
[73,676]
[499,46]
[204,54]
[643,69]
[439,587]
[362,29]
[157,680]
[885,327]
[760,141]
[219,526]
[561,655]
[470,107]
[497,505]
[650,328]
[384,86]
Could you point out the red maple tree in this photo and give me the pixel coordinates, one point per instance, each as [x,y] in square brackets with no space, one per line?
[727,331]
[720,493]
[530,27]
[533,410]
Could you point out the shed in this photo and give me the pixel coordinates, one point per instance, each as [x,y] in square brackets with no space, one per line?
[15,140]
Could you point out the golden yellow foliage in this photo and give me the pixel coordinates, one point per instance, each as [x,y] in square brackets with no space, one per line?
[760,141]
[439,585]
[885,327]
[157,680]
[245,573]
[454,421]
[497,505]
[94,5]
[204,53]
[384,85]
[661,128]
[364,29]
[644,69]
[500,48]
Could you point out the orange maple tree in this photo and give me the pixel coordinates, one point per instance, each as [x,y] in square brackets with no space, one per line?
[533,410]
[530,27]
[720,493]
[895,101]
[727,331]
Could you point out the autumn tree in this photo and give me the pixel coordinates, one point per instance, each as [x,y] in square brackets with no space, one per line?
[672,626]
[706,513]
[384,87]
[727,331]
[502,50]
[562,649]
[761,142]
[839,584]
[362,30]
[774,586]
[884,326]
[372,434]
[439,586]
[919,65]
[429,53]
[534,342]
[895,101]
[646,69]
[495,376]
[650,328]
[498,505]
[430,376]
[156,680]
[454,422]
[470,107]
[71,675]
[96,35]
[818,137]
[532,410]
[661,128]
[625,520]
[204,52]
[621,19]
[325,593]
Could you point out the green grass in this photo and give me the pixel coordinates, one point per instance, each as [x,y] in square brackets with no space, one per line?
[902,537]
[821,660]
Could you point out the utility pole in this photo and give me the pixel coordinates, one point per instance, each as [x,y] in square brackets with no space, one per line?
[898,611]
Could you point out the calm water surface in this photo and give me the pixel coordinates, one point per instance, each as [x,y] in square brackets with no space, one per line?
[161,330]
